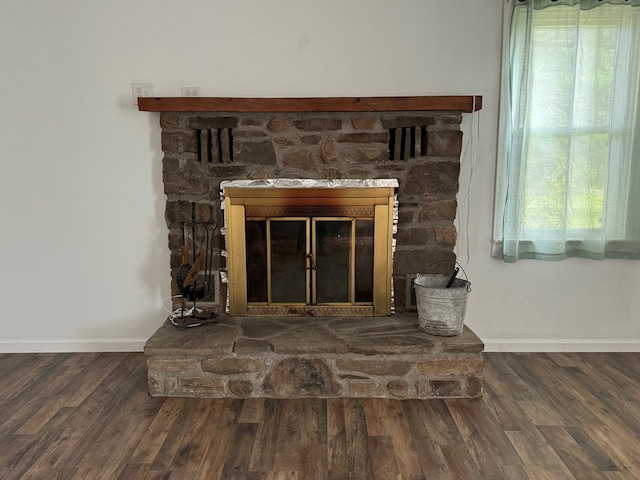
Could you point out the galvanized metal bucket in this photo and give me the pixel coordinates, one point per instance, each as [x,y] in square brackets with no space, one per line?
[441,310]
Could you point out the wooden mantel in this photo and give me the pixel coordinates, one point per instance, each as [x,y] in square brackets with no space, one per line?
[459,103]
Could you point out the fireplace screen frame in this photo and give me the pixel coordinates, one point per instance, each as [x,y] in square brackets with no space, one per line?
[375,202]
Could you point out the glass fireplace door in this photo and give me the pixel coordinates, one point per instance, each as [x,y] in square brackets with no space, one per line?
[309,261]
[309,251]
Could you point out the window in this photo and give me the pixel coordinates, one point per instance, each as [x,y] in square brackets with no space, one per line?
[569,168]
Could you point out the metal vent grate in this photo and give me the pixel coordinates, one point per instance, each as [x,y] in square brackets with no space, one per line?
[407,142]
[215,145]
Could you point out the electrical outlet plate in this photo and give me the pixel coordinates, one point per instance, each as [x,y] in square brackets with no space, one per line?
[141,90]
[191,91]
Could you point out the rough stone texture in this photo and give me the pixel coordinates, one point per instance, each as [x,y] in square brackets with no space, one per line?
[451,366]
[171,121]
[436,211]
[423,261]
[329,150]
[299,158]
[444,143]
[363,138]
[202,123]
[446,388]
[308,339]
[365,388]
[231,365]
[173,364]
[318,124]
[387,357]
[241,388]
[445,234]
[201,386]
[248,345]
[438,178]
[182,141]
[278,125]
[321,145]
[414,236]
[409,121]
[263,329]
[364,155]
[390,344]
[398,388]
[260,153]
[364,123]
[301,377]
[374,367]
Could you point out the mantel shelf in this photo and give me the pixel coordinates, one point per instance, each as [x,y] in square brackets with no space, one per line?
[457,103]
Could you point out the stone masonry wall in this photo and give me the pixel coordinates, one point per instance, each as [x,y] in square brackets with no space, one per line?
[422,150]
[383,357]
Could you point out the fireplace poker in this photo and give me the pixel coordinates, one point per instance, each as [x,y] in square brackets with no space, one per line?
[453,277]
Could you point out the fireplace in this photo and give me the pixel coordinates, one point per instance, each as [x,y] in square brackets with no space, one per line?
[309,247]
[317,214]
[414,140]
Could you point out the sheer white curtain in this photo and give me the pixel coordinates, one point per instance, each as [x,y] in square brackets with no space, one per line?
[568,180]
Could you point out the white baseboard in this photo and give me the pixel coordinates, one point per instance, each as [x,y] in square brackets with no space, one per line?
[560,345]
[73,345]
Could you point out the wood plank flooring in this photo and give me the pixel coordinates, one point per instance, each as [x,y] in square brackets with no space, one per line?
[543,416]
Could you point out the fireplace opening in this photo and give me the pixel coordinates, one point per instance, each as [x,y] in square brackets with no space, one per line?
[310,249]
[309,260]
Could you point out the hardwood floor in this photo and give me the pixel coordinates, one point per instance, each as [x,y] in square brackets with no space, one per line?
[543,416]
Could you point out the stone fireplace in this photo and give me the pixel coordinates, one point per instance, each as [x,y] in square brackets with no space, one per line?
[409,149]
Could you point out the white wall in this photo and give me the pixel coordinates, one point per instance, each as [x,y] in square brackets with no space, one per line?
[83,250]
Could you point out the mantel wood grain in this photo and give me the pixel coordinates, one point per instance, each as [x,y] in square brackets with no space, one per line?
[458,103]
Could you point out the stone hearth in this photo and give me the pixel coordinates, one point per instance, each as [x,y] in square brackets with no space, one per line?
[416,140]
[285,357]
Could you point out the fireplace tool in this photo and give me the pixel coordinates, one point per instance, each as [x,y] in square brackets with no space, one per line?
[195,275]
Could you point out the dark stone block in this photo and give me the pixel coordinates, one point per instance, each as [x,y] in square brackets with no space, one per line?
[240,388]
[300,158]
[363,138]
[445,234]
[172,121]
[278,125]
[446,388]
[424,261]
[442,210]
[180,141]
[444,143]
[301,377]
[262,329]
[390,344]
[402,122]
[365,155]
[364,123]
[260,153]
[433,178]
[398,388]
[474,386]
[466,342]
[318,124]
[417,236]
[202,123]
[231,365]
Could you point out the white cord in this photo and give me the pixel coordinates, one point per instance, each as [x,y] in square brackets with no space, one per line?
[474,153]
[180,312]
[169,298]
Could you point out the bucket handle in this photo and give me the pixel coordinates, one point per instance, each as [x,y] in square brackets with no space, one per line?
[455,263]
